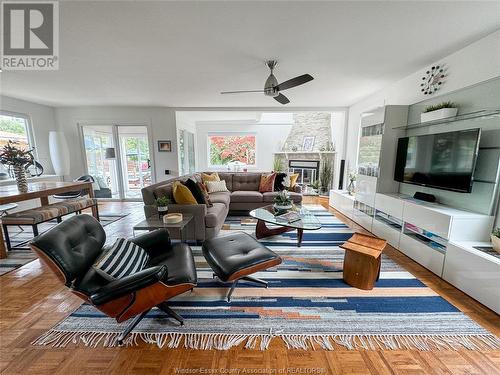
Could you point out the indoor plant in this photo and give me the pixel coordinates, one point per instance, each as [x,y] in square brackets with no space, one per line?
[352,179]
[16,157]
[439,111]
[326,176]
[283,201]
[162,203]
[495,239]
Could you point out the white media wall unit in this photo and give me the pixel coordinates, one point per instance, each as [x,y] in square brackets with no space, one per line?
[423,231]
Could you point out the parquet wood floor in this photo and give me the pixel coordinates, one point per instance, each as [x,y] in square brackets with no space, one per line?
[32,301]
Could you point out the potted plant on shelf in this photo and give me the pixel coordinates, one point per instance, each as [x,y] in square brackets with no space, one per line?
[283,201]
[495,240]
[439,111]
[17,158]
[162,204]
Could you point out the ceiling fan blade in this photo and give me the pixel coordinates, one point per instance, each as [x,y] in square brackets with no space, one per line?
[300,80]
[241,91]
[282,99]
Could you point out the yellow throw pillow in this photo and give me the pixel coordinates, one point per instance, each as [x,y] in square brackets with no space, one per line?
[182,195]
[210,177]
[293,179]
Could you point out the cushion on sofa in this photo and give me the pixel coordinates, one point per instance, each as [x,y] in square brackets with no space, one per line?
[182,195]
[244,196]
[221,197]
[164,191]
[205,177]
[267,182]
[278,181]
[228,177]
[246,181]
[216,186]
[193,187]
[215,215]
[269,197]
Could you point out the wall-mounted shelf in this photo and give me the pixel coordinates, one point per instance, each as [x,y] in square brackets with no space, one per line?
[477,115]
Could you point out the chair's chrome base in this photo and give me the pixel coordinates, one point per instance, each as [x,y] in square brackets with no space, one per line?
[244,278]
[162,306]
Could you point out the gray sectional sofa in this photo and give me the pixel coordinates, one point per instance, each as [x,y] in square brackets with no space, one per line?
[243,195]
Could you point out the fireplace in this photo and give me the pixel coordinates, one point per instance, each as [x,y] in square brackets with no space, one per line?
[308,170]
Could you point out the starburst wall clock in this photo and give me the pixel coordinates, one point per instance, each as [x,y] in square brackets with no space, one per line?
[433,79]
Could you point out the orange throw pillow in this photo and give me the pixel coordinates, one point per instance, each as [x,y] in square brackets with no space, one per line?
[210,177]
[267,182]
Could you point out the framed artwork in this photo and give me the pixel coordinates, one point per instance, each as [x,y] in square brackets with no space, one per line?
[308,144]
[165,146]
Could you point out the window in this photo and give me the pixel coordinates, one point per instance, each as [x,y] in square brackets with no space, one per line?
[225,149]
[14,128]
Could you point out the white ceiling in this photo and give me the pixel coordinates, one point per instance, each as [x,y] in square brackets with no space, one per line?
[183,54]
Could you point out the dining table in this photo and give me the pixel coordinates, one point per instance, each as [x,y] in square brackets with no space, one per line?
[41,191]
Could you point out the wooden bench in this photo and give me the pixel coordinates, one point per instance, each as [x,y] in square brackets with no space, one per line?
[35,216]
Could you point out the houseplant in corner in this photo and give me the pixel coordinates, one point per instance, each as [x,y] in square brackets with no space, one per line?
[439,111]
[162,204]
[495,240]
[283,201]
[16,157]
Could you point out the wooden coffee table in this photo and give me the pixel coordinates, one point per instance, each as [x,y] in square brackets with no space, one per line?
[268,214]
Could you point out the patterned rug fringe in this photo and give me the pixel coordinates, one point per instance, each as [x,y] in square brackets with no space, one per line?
[220,341]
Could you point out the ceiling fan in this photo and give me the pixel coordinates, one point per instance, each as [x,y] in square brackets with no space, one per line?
[273,88]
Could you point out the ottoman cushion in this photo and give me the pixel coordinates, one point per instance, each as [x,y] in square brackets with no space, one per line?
[236,255]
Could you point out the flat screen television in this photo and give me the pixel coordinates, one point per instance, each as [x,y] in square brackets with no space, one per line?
[442,160]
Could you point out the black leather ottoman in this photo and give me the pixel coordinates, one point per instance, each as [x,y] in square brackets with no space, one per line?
[236,256]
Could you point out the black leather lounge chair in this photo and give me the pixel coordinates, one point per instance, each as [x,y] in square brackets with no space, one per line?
[71,248]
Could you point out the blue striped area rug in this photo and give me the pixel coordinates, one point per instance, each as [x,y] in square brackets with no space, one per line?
[306,306]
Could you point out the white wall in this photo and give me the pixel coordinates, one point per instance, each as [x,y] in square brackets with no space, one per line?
[160,122]
[478,62]
[42,119]
[269,139]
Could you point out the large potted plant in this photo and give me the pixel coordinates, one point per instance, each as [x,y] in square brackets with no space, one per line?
[283,201]
[439,111]
[495,240]
[326,176]
[17,158]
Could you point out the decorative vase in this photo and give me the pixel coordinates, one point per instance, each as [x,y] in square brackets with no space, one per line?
[162,210]
[350,187]
[282,207]
[495,242]
[22,183]
[59,153]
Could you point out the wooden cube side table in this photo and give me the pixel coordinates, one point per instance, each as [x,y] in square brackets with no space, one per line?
[362,260]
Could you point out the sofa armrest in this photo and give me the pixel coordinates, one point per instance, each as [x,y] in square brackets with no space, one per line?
[154,242]
[199,211]
[129,284]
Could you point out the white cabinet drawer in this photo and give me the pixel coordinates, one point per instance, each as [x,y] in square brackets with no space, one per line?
[433,221]
[474,274]
[362,219]
[386,232]
[389,205]
[419,252]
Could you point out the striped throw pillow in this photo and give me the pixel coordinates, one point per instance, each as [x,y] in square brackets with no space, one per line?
[122,259]
[216,186]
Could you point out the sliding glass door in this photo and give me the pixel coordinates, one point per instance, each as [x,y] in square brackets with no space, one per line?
[118,157]
[135,161]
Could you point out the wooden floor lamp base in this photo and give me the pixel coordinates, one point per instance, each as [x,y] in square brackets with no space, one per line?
[262,231]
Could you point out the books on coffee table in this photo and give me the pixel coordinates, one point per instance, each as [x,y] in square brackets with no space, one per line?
[288,217]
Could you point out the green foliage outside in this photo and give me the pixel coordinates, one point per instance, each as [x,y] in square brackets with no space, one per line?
[12,125]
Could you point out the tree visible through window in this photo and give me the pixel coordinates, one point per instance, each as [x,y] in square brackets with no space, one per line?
[225,149]
[14,128]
